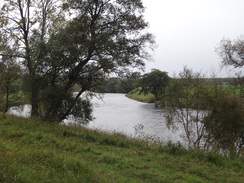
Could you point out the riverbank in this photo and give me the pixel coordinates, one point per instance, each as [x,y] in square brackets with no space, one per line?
[33,151]
[135,95]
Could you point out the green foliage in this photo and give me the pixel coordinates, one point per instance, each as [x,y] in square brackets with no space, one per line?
[110,85]
[187,107]
[104,37]
[173,149]
[211,115]
[35,151]
[235,89]
[225,123]
[131,81]
[10,85]
[81,111]
[155,83]
[119,85]
[85,56]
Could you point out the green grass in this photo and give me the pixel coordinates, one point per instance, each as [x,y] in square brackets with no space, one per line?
[34,151]
[134,94]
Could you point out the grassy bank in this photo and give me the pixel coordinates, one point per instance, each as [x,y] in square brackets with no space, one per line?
[33,151]
[135,95]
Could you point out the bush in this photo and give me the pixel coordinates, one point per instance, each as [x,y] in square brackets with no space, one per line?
[225,123]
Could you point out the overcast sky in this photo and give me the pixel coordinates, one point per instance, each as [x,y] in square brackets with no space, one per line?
[188,31]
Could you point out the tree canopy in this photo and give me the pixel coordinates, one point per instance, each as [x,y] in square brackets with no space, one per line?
[155,82]
[103,37]
[232,52]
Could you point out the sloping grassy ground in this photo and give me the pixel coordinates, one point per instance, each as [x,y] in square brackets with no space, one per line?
[33,151]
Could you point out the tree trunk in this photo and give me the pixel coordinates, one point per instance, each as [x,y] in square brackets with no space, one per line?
[34,98]
[7,100]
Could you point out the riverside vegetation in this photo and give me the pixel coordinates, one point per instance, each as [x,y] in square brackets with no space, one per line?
[35,151]
[210,114]
[44,54]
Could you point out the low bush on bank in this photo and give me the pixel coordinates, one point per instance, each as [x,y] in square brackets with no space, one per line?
[35,151]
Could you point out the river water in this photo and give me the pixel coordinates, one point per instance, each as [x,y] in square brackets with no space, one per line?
[117,113]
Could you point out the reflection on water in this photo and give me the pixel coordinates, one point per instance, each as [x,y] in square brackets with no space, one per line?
[120,114]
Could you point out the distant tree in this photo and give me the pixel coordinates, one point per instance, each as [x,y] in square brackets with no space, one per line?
[120,87]
[112,85]
[154,82]
[131,81]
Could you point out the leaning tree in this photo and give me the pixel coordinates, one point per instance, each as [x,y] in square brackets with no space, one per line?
[102,37]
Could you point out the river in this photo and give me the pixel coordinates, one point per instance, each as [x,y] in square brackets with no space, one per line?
[117,113]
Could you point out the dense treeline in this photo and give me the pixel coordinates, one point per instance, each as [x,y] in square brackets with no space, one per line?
[135,80]
[119,85]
